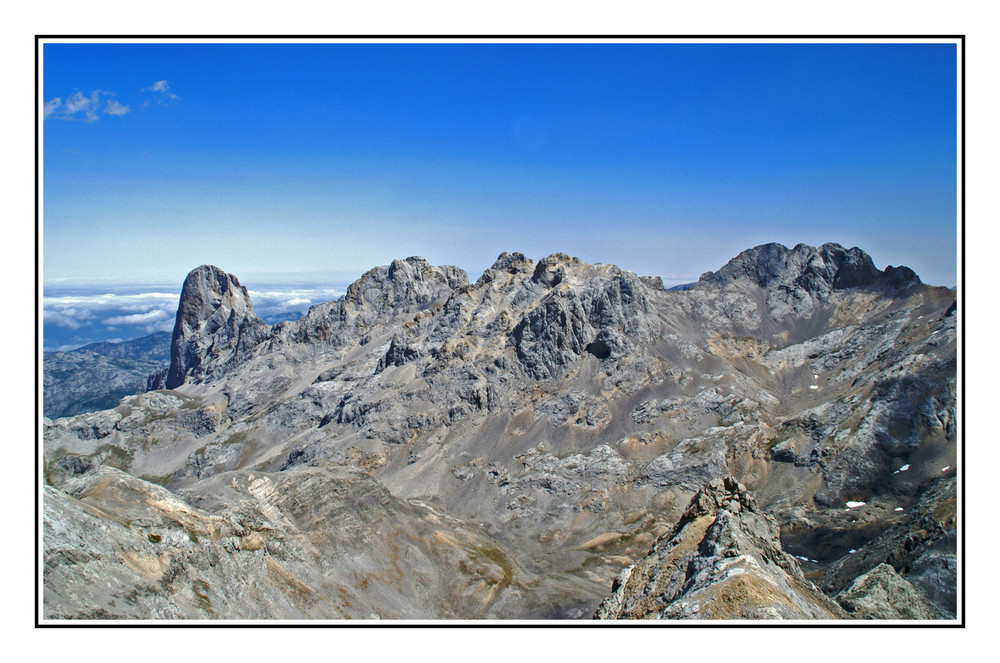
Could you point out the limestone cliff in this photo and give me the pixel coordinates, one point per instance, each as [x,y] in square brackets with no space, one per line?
[215,329]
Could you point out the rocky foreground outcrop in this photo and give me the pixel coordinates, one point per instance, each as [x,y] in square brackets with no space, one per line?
[566,413]
[884,594]
[308,543]
[722,560]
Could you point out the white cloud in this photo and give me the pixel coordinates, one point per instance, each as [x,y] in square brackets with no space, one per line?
[147,309]
[52,106]
[78,102]
[117,301]
[164,326]
[79,315]
[81,107]
[61,321]
[162,90]
[70,318]
[64,348]
[155,315]
[115,108]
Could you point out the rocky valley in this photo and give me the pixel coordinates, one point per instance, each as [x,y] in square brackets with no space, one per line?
[557,440]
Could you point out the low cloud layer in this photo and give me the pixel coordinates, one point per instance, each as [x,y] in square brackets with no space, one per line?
[148,318]
[78,318]
[278,303]
[74,317]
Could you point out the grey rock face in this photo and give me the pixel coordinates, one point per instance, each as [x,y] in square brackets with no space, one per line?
[602,317]
[216,328]
[797,281]
[919,546]
[157,379]
[722,560]
[307,543]
[410,282]
[815,270]
[382,294]
[506,263]
[566,413]
[883,594]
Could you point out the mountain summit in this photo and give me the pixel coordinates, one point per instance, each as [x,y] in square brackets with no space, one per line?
[822,269]
[215,327]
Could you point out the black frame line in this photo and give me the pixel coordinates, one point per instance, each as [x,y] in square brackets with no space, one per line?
[961,622]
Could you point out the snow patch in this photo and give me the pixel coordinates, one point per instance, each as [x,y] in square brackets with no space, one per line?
[854,505]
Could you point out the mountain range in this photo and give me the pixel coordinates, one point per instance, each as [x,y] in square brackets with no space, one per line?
[557,440]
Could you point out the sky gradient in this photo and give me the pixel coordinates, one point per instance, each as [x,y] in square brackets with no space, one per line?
[667,159]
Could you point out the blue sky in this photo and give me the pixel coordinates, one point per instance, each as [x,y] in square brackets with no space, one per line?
[327,159]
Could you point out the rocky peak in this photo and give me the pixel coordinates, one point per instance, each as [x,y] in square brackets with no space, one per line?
[816,270]
[605,314]
[216,326]
[551,270]
[381,294]
[506,263]
[412,281]
[726,493]
[900,278]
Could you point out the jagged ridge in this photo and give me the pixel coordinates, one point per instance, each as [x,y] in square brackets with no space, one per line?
[722,560]
[569,410]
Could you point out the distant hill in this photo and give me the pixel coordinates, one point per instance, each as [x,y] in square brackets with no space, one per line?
[96,376]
